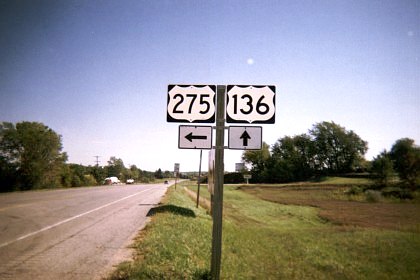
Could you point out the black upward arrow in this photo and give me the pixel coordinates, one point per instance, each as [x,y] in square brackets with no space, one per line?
[245,137]
[190,137]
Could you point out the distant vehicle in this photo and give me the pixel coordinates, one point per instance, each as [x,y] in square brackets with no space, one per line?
[166,182]
[112,181]
[130,181]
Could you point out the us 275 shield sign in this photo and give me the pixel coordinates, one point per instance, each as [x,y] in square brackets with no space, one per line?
[191,103]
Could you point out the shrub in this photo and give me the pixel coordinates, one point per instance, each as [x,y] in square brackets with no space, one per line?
[354,190]
[373,196]
[382,169]
[89,180]
[397,193]
[234,178]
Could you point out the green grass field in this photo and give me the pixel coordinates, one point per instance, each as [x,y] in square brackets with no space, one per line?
[268,240]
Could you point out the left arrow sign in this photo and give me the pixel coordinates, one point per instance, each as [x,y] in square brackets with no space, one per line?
[190,137]
[195,137]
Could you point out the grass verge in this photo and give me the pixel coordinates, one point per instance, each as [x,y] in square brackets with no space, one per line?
[175,244]
[267,240]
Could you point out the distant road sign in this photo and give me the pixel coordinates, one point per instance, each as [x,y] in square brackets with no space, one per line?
[245,137]
[239,167]
[195,137]
[250,104]
[191,103]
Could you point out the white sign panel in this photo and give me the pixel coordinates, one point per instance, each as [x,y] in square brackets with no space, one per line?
[210,174]
[245,137]
[195,137]
[250,104]
[191,103]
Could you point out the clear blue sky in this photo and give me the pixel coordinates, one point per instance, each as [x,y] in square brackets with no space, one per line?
[97,72]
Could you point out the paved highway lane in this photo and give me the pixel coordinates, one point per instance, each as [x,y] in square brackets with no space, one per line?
[73,233]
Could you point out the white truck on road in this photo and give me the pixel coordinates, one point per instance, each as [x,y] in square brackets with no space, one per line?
[112,181]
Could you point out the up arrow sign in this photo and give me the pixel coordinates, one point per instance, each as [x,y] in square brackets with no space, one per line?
[245,137]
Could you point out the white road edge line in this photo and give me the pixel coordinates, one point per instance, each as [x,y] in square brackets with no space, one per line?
[70,219]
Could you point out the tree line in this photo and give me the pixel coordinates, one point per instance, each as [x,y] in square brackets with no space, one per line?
[329,149]
[403,159]
[32,157]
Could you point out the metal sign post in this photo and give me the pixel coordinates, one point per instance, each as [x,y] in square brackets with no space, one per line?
[217,209]
[176,172]
[199,179]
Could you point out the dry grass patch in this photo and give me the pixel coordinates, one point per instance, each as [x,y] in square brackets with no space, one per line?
[339,208]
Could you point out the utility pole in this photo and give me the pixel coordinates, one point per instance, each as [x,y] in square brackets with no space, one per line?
[97,160]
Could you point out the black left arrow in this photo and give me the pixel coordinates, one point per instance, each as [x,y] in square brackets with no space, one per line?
[245,137]
[190,137]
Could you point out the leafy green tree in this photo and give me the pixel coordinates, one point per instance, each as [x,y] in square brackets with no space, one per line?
[99,173]
[80,176]
[66,176]
[33,153]
[292,159]
[327,149]
[146,176]
[337,150]
[159,174]
[258,160]
[168,174]
[116,168]
[8,175]
[406,157]
[133,173]
[275,171]
[89,180]
[382,169]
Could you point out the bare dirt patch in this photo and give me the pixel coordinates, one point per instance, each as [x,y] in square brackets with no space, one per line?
[329,199]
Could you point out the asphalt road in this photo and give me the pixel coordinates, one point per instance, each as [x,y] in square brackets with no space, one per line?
[73,233]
